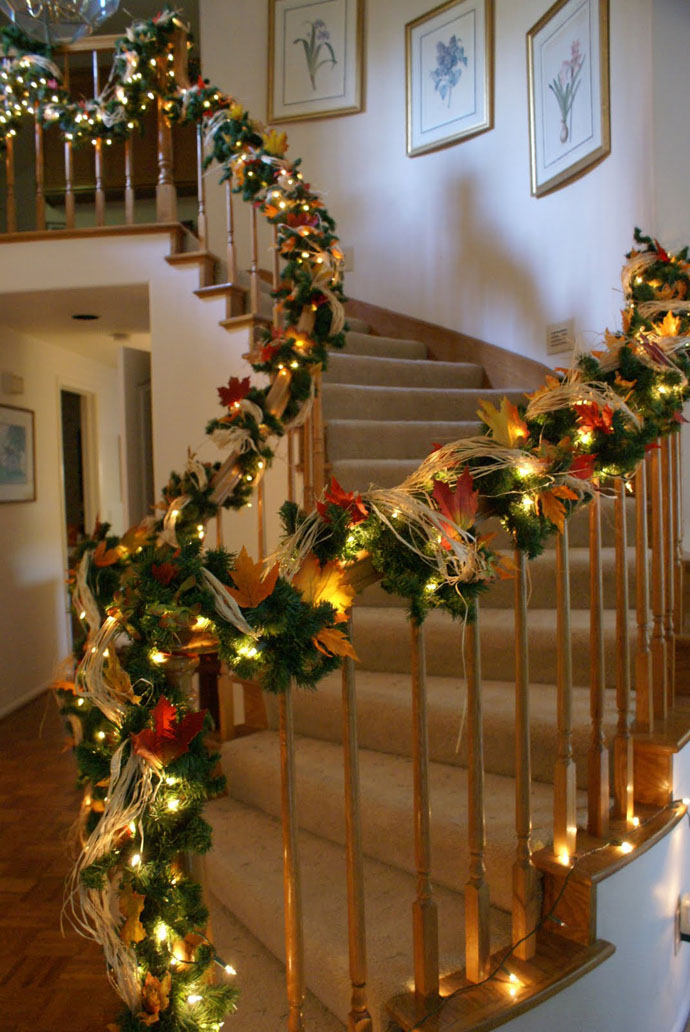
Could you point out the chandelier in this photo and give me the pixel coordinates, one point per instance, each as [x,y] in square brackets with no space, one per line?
[58,21]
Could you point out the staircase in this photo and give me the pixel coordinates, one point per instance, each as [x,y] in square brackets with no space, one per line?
[385,403]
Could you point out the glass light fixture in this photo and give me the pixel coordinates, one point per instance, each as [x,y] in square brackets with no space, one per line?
[58,21]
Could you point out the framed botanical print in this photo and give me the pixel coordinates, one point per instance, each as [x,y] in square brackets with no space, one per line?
[17,465]
[314,58]
[449,64]
[568,73]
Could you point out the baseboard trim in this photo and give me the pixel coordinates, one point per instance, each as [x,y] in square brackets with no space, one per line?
[27,697]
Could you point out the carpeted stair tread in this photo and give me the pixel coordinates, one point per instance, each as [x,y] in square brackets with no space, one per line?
[381,639]
[245,868]
[358,343]
[384,716]
[578,527]
[265,1010]
[400,372]
[341,401]
[252,767]
[378,439]
[360,474]
[355,325]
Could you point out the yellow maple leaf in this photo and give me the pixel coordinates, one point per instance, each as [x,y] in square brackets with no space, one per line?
[333,642]
[251,587]
[275,143]
[136,537]
[117,677]
[327,583]
[551,382]
[551,505]
[505,423]
[669,327]
[131,906]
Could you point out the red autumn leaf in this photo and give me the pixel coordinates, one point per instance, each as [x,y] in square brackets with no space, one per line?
[163,572]
[653,446]
[679,417]
[167,739]
[590,417]
[235,391]
[346,500]
[654,351]
[458,505]
[297,219]
[583,467]
[661,253]
[268,352]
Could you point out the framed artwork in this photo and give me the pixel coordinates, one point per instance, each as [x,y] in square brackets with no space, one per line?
[449,65]
[17,466]
[314,58]
[568,73]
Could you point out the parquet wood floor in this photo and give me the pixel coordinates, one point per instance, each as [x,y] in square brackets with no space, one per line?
[48,982]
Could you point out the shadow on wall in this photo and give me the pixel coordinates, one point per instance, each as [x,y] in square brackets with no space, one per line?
[32,641]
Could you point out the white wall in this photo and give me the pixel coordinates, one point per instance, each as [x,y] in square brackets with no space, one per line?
[34,626]
[454,236]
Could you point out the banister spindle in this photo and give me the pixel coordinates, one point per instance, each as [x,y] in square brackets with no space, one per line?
[129,181]
[477,936]
[202,219]
[564,811]
[318,439]
[644,699]
[294,939]
[668,564]
[425,917]
[659,660]
[622,743]
[677,534]
[359,1019]
[11,200]
[290,434]
[40,172]
[525,894]
[275,277]
[69,160]
[307,464]
[253,262]
[261,519]
[230,215]
[598,756]
[98,152]
[166,195]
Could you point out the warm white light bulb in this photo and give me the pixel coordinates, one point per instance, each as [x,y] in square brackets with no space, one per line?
[173,804]
[564,858]
[229,970]
[626,847]
[136,860]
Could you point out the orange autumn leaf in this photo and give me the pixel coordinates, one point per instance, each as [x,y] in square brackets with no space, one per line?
[506,424]
[670,327]
[136,537]
[327,583]
[155,997]
[552,507]
[333,642]
[505,566]
[105,557]
[550,384]
[118,679]
[64,686]
[251,588]
[131,906]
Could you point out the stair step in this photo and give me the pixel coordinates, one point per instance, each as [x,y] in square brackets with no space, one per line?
[245,868]
[401,372]
[378,439]
[355,325]
[267,1010]
[578,527]
[341,401]
[381,640]
[360,475]
[384,716]
[359,343]
[252,767]
[205,261]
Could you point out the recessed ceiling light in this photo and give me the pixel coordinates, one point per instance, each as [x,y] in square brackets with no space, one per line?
[85,316]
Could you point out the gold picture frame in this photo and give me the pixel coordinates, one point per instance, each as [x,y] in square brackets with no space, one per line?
[449,74]
[568,87]
[315,59]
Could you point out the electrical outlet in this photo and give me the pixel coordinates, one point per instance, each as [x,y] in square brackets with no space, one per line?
[12,384]
[560,337]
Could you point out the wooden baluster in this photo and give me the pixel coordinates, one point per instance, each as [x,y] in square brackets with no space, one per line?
[69,162]
[622,743]
[668,563]
[424,914]
[291,465]
[294,940]
[277,306]
[202,219]
[677,534]
[564,812]
[307,465]
[659,659]
[166,194]
[40,173]
[525,893]
[230,211]
[98,153]
[254,264]
[477,937]
[261,519]
[179,671]
[598,756]
[129,181]
[644,700]
[9,185]
[318,438]
[359,1019]
[219,528]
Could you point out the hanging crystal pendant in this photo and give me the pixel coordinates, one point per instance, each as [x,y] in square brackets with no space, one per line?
[58,21]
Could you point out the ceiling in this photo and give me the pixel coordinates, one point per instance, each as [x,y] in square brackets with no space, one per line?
[123,318]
